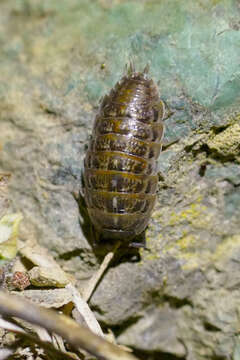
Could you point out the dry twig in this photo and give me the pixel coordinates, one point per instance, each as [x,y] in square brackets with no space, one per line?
[47,346]
[85,311]
[76,335]
[87,293]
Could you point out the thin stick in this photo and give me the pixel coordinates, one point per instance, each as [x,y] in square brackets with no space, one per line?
[85,311]
[47,346]
[87,293]
[76,335]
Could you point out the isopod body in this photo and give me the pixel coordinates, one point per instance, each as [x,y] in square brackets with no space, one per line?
[120,167]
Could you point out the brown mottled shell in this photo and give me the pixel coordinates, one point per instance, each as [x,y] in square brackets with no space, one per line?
[120,167]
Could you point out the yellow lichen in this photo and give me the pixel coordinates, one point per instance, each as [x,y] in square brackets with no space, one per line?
[186,241]
[154,254]
[227,142]
[194,260]
[227,246]
[190,214]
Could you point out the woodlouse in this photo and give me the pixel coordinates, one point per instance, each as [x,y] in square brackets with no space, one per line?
[120,167]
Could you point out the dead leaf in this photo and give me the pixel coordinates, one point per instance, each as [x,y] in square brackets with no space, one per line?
[9,225]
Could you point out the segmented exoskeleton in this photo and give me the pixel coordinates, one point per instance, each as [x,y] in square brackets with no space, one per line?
[120,167]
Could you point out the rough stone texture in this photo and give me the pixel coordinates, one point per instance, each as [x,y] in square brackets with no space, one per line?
[57,59]
[45,276]
[157,330]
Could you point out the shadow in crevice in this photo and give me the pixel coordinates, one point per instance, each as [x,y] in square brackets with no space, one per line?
[119,329]
[210,327]
[173,302]
[218,129]
[176,303]
[145,355]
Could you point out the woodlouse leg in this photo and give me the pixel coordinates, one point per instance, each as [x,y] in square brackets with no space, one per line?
[168,112]
[166,143]
[160,109]
[95,236]
[141,243]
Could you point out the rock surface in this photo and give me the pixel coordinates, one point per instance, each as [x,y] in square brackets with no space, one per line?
[58,58]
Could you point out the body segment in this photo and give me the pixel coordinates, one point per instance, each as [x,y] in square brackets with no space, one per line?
[120,167]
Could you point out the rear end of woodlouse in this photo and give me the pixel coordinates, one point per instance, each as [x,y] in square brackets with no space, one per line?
[120,167]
